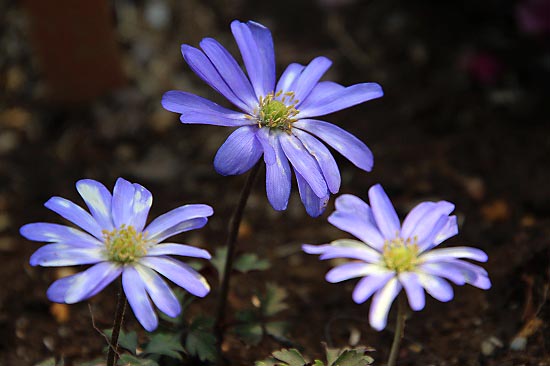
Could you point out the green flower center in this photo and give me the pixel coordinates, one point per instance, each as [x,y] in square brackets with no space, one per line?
[125,244]
[400,255]
[277,111]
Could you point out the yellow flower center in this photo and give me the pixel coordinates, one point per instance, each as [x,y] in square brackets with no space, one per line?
[277,111]
[125,244]
[400,255]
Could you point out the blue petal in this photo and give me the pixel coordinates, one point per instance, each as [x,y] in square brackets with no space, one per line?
[443,254]
[414,290]
[324,158]
[384,213]
[123,199]
[239,152]
[88,283]
[381,303]
[98,199]
[75,214]
[288,78]
[263,136]
[178,249]
[304,163]
[159,291]
[179,273]
[58,255]
[178,220]
[230,71]
[342,141]
[143,199]
[421,220]
[322,90]
[203,67]
[428,241]
[310,76]
[369,285]
[277,176]
[314,205]
[449,230]
[46,232]
[347,271]
[343,99]
[134,288]
[437,287]
[354,216]
[256,46]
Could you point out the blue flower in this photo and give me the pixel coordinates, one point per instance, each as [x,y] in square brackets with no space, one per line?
[391,256]
[275,118]
[115,241]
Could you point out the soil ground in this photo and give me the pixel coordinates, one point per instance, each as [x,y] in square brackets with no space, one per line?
[464,118]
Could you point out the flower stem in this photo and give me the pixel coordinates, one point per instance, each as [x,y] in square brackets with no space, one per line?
[112,355]
[399,330]
[230,244]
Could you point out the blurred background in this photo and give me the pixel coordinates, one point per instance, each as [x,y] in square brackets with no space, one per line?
[465,117]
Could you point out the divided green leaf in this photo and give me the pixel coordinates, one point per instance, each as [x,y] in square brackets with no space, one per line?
[130,360]
[167,344]
[200,341]
[128,341]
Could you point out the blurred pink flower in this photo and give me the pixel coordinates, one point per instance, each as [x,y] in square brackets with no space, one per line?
[533,16]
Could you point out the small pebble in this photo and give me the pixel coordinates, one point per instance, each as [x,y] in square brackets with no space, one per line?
[489,345]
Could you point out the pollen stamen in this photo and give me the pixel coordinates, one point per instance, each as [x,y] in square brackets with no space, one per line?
[276,110]
[401,255]
[125,244]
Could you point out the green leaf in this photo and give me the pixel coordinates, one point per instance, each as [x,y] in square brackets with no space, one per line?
[249,333]
[290,357]
[130,360]
[243,263]
[200,341]
[351,357]
[128,341]
[167,344]
[250,262]
[273,300]
[278,330]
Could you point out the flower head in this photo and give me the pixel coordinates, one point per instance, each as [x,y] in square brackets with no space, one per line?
[114,239]
[275,118]
[391,256]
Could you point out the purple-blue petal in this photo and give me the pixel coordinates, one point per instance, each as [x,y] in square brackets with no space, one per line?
[340,140]
[187,217]
[324,158]
[123,199]
[239,152]
[134,288]
[277,176]
[437,287]
[178,249]
[159,291]
[336,101]
[347,271]
[256,46]
[381,303]
[265,138]
[50,233]
[75,214]
[384,213]
[443,254]
[88,283]
[58,255]
[449,230]
[354,216]
[414,290]
[322,90]
[310,76]
[288,78]
[304,163]
[98,199]
[314,205]
[203,67]
[143,199]
[179,273]
[369,285]
[230,71]
[422,219]
[195,109]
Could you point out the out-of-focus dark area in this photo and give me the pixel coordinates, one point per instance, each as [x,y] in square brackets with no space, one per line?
[465,117]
